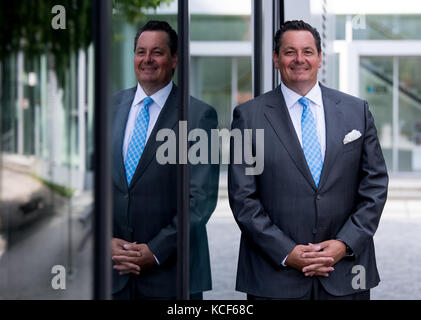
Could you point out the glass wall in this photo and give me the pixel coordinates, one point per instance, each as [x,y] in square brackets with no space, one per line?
[46,79]
[376,86]
[219,79]
[220,76]
[409,114]
[395,103]
[379,27]
[145,210]
[223,82]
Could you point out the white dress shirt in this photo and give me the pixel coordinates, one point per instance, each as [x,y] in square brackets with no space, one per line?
[159,99]
[295,110]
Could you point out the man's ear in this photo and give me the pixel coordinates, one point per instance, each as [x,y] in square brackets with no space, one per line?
[275,60]
[174,61]
[320,60]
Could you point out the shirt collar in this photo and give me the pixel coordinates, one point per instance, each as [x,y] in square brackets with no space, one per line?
[291,97]
[159,97]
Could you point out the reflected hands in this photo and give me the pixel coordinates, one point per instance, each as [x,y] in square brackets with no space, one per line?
[131,257]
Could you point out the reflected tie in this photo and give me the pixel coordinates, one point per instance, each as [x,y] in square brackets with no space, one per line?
[138,140]
[311,145]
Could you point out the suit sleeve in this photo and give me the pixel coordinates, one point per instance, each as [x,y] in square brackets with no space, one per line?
[372,191]
[255,224]
[204,179]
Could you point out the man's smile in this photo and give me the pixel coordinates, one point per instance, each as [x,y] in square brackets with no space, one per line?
[148,68]
[299,68]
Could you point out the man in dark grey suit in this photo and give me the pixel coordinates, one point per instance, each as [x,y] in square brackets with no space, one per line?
[308,219]
[145,195]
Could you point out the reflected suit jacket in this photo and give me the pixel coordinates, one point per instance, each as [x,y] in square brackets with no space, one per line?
[282,207]
[145,211]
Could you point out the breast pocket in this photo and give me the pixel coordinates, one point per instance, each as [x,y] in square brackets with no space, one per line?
[356,144]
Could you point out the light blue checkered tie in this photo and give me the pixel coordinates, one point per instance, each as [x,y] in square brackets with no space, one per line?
[311,145]
[138,140]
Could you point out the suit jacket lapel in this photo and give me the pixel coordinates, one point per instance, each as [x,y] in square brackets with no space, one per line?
[167,119]
[119,127]
[278,117]
[334,131]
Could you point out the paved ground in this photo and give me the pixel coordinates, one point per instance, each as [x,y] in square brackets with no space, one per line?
[28,251]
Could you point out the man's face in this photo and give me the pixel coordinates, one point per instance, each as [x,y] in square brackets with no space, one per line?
[298,59]
[153,62]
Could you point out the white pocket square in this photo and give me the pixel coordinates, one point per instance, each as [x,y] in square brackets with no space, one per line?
[351,136]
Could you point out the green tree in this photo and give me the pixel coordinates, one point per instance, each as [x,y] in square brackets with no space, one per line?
[25,25]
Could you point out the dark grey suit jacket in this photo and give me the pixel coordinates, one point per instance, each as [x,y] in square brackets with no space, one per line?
[145,211]
[282,207]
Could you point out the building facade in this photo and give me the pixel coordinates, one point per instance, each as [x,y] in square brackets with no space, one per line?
[371,49]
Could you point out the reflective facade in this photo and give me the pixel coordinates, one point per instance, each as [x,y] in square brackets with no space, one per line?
[46,152]
[391,86]
[220,73]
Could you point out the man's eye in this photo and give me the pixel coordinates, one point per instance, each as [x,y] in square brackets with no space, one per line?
[288,53]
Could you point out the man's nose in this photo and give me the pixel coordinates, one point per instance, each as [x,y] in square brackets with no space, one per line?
[148,57]
[299,58]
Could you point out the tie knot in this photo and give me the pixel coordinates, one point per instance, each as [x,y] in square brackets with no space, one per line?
[147,102]
[304,101]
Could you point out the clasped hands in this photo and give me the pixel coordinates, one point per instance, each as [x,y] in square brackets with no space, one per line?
[130,257]
[316,259]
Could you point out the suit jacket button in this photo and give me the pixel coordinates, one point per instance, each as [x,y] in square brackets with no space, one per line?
[318,197]
[314,230]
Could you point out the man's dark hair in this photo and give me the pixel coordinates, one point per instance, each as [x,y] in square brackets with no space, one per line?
[155,25]
[296,25]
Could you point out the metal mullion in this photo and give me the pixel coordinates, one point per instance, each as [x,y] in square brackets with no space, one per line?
[278,18]
[257,47]
[395,106]
[183,190]
[102,164]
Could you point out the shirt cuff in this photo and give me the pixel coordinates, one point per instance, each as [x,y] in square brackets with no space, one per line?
[283,262]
